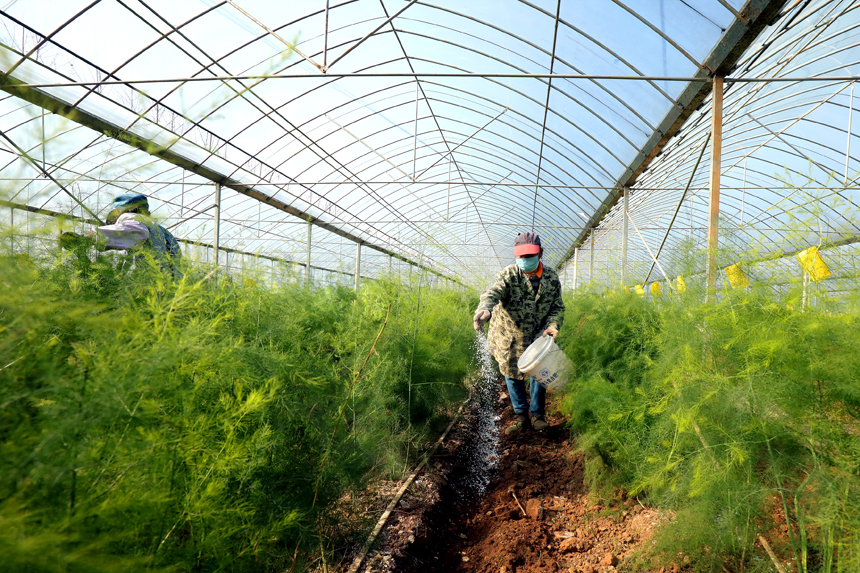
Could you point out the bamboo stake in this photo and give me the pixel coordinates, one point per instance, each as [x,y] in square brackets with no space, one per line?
[359,559]
[771,554]
[338,419]
[513,493]
[345,402]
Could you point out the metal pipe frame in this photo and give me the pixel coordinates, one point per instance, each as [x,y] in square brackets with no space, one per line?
[546,109]
[308,280]
[741,100]
[224,78]
[477,146]
[213,134]
[737,37]
[626,207]
[53,105]
[357,266]
[216,216]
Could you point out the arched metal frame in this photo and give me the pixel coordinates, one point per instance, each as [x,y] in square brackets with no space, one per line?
[441,171]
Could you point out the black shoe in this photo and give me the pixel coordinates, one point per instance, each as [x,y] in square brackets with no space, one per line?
[519,425]
[539,423]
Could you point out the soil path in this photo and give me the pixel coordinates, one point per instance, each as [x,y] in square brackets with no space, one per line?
[532,513]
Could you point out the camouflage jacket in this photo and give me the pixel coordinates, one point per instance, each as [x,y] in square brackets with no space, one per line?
[519,314]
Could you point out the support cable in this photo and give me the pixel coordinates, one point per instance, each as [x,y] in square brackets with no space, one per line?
[23,154]
[546,111]
[680,203]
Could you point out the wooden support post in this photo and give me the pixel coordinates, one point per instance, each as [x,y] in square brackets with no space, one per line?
[415,131]
[714,198]
[624,239]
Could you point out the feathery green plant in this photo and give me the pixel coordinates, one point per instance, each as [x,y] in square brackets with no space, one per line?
[743,417]
[148,424]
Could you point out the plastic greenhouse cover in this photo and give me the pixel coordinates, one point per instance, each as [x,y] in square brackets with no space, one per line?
[443,170]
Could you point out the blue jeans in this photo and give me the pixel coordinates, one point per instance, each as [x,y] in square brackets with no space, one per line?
[519,400]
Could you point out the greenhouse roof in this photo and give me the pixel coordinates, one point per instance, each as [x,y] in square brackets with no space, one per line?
[435,132]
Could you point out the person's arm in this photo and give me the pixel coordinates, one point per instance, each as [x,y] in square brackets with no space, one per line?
[489,299]
[123,234]
[555,317]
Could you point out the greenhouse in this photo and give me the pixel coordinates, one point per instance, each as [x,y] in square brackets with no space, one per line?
[285,374]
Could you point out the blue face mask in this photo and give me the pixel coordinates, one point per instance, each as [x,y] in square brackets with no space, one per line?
[528,264]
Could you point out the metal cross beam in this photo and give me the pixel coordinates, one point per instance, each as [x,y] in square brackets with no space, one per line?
[728,50]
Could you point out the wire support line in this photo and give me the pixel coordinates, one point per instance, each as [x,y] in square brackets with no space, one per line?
[438,75]
[35,164]
[545,112]
[59,215]
[678,207]
[451,151]
[737,14]
[276,36]
[88,119]
[653,258]
[375,30]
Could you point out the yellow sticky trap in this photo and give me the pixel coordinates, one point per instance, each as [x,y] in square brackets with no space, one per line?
[814,264]
[250,282]
[655,289]
[639,290]
[682,286]
[626,289]
[736,275]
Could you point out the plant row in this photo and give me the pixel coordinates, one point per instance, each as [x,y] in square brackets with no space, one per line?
[207,424]
[741,417]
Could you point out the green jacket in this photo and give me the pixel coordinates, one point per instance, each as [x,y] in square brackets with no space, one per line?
[519,314]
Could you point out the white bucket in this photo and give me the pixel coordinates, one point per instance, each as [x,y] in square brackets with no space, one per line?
[544,361]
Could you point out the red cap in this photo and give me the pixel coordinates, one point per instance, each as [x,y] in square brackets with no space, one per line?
[526,244]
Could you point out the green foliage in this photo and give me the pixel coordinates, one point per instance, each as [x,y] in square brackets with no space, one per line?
[203,425]
[743,417]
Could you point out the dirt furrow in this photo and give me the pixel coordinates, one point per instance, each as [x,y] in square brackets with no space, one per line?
[533,516]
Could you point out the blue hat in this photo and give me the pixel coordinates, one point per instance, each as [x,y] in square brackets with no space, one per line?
[128,201]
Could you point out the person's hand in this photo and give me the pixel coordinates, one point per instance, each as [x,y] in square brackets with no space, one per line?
[481,318]
[550,331]
[70,241]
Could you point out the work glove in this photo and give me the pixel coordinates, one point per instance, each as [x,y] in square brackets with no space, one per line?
[551,332]
[481,318]
[71,241]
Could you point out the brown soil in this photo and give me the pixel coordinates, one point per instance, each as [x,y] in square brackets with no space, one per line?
[535,517]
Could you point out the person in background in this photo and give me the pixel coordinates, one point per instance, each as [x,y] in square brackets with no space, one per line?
[130,227]
[524,303]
